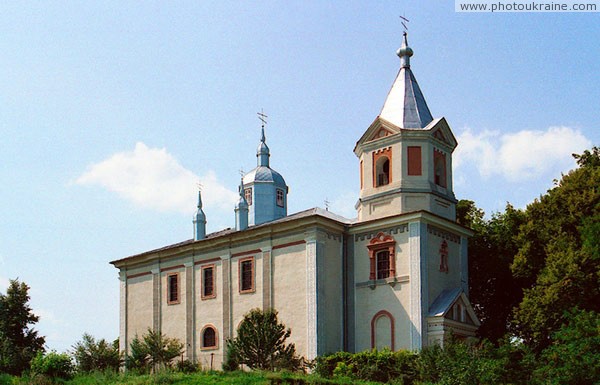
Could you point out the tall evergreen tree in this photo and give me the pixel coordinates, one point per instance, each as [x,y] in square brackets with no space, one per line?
[19,343]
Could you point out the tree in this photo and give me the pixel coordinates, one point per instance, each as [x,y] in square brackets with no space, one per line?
[493,290]
[574,355]
[19,343]
[260,343]
[161,350]
[53,365]
[91,355]
[558,257]
[137,359]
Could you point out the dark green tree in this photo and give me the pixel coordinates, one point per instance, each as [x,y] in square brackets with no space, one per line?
[19,343]
[91,355]
[493,290]
[260,343]
[574,355]
[558,258]
[137,359]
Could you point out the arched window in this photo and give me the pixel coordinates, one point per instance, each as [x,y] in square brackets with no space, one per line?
[382,261]
[383,264]
[439,168]
[382,330]
[382,171]
[209,337]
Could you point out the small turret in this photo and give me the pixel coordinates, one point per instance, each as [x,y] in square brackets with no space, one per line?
[199,221]
[241,210]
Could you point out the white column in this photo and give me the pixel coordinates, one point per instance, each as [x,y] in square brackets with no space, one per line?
[156,302]
[190,300]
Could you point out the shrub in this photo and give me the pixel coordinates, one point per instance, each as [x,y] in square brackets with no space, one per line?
[371,365]
[53,365]
[91,355]
[187,366]
[153,350]
[137,359]
[260,344]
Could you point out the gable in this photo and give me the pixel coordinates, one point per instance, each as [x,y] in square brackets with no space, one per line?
[380,128]
[454,305]
[441,131]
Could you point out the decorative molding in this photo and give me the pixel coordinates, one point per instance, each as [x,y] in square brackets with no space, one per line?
[443,234]
[380,282]
[382,242]
[207,261]
[390,230]
[249,252]
[140,274]
[288,245]
[382,313]
[171,268]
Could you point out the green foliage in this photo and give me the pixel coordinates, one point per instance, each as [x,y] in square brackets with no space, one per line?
[137,359]
[460,363]
[161,350]
[558,256]
[260,344]
[53,365]
[574,355]
[91,355]
[494,292]
[187,366]
[153,351]
[371,365]
[18,342]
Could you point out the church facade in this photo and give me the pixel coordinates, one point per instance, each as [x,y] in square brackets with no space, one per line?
[396,276]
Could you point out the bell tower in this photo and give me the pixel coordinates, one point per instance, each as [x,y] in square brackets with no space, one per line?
[406,155]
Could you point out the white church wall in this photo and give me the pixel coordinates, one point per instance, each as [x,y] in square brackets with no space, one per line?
[330,307]
[173,316]
[139,305]
[289,291]
[209,312]
[441,280]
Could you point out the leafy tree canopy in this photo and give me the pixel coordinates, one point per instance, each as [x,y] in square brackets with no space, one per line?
[260,343]
[19,343]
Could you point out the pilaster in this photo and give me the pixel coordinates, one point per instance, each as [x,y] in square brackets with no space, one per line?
[123,312]
[156,302]
[189,311]
[419,289]
[226,290]
[311,296]
[267,286]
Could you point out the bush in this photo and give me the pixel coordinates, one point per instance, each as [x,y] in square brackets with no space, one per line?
[154,351]
[371,365]
[260,344]
[91,355]
[187,366]
[53,365]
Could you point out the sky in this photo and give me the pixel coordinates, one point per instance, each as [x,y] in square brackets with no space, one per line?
[111,112]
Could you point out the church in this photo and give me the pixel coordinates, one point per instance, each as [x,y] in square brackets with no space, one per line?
[396,276]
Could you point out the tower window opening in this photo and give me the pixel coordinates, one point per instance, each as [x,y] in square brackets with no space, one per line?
[382,171]
[280,198]
[248,195]
[439,168]
[383,264]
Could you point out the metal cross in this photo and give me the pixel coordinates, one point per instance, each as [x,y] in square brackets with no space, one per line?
[327,204]
[262,117]
[199,186]
[404,19]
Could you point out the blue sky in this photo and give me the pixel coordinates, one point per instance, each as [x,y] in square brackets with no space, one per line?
[110,112]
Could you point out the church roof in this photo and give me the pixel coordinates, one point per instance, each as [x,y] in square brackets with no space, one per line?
[405,104]
[315,211]
[264,174]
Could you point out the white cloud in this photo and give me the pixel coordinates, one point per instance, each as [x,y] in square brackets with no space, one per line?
[522,155]
[153,178]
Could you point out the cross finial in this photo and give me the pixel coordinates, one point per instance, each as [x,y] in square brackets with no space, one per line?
[327,203]
[263,117]
[200,186]
[241,171]
[404,23]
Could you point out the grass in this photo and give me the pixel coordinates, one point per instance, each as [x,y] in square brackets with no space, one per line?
[176,378]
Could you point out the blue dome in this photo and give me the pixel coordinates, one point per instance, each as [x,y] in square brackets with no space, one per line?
[263,174]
